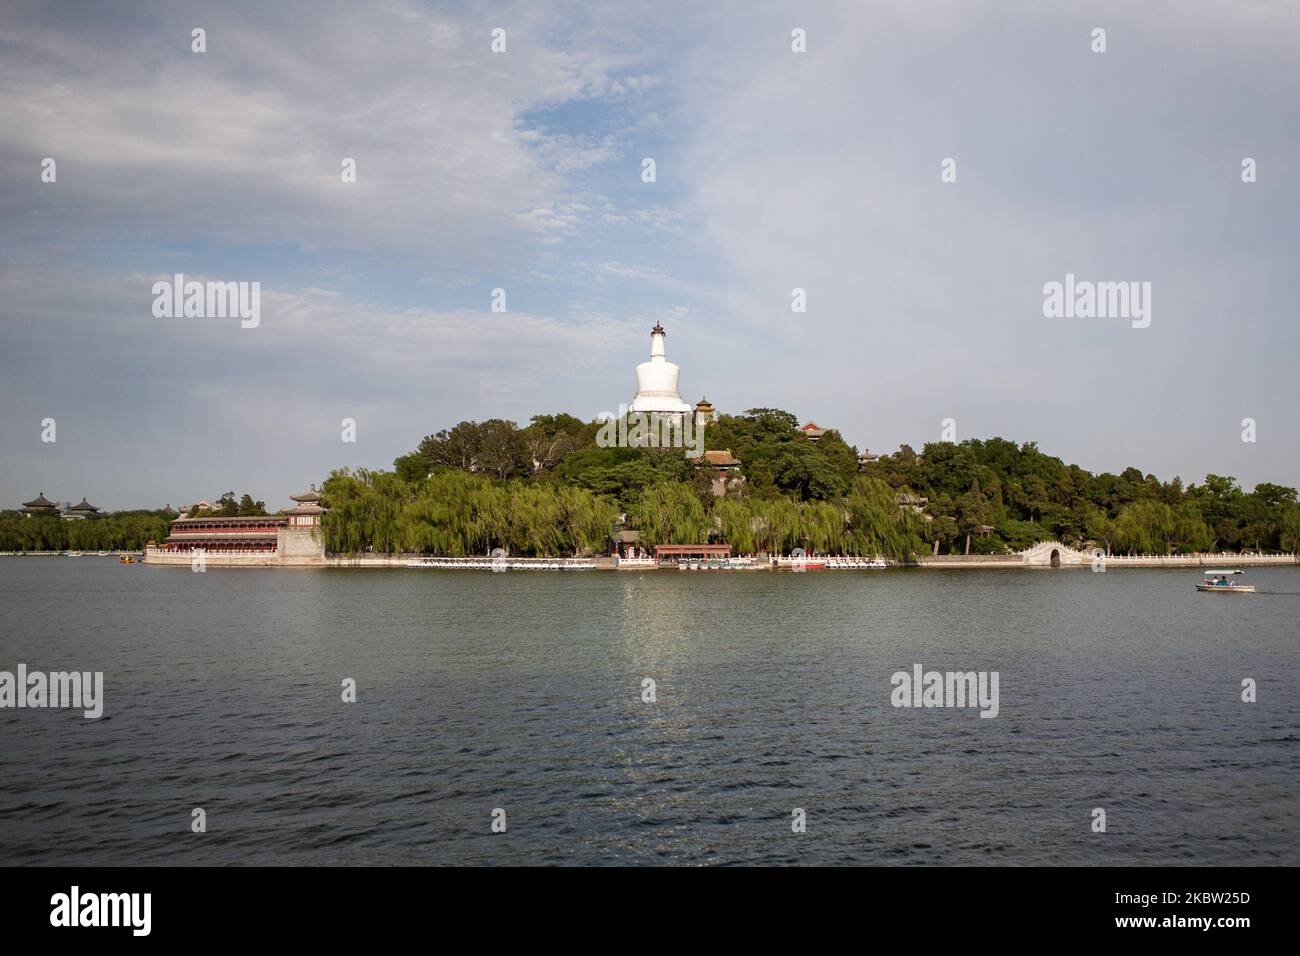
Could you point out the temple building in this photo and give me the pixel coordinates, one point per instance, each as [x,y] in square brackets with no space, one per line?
[705,413]
[725,468]
[308,512]
[81,511]
[813,431]
[289,539]
[216,535]
[40,505]
[656,381]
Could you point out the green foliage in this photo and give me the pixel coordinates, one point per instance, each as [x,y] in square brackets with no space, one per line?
[669,513]
[622,473]
[122,531]
[456,513]
[1028,496]
[546,487]
[411,467]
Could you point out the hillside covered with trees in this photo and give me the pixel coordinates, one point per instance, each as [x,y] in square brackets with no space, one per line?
[548,488]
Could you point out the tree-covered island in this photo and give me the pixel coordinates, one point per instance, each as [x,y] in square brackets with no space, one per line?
[765,484]
[550,489]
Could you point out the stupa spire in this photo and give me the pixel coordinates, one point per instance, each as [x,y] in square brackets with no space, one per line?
[656,380]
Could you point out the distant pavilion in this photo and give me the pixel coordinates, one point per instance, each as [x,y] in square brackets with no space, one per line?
[81,511]
[308,512]
[40,505]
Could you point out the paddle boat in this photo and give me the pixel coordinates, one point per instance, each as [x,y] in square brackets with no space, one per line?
[1224,582]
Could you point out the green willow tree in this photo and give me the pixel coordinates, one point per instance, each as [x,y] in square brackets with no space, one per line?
[457,514]
[120,531]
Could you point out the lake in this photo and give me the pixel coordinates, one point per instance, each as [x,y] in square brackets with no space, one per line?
[524,691]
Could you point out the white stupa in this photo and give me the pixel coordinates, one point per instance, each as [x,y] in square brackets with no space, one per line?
[656,381]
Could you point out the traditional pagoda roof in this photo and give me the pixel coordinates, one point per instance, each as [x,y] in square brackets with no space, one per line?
[306,496]
[84,505]
[169,510]
[40,505]
[719,459]
[309,503]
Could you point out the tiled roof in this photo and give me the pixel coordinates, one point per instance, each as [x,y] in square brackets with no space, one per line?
[718,459]
[306,495]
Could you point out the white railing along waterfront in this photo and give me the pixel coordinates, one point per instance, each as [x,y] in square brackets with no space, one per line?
[1226,557]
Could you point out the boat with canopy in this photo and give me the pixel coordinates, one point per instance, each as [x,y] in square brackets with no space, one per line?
[1224,582]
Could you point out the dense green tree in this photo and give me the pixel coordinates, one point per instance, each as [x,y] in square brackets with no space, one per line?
[411,468]
[669,513]
[549,439]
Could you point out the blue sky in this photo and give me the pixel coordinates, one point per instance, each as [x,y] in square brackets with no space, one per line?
[521,170]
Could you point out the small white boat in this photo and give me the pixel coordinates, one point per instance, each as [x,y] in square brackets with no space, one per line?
[1223,582]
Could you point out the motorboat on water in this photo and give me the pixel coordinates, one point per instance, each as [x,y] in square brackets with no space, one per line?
[1224,582]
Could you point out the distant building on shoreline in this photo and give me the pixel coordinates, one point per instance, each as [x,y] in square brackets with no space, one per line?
[42,506]
[291,539]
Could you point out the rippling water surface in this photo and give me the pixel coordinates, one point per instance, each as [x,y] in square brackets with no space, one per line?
[523,691]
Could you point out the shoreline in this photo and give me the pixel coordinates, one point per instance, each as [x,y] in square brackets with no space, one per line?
[1046,555]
